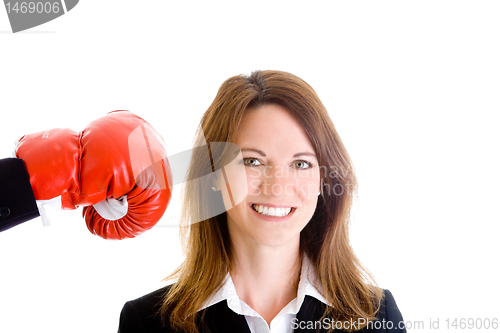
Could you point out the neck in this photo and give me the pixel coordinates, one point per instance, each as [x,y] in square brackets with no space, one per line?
[266,277]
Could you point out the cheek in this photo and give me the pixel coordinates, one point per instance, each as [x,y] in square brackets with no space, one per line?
[253,181]
[308,195]
[233,184]
[308,187]
[254,186]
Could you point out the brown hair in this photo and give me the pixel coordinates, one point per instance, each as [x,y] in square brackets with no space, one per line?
[348,286]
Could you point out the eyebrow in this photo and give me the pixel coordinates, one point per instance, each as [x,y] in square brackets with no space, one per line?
[263,154]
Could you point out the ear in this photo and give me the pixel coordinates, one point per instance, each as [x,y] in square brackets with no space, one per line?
[214,181]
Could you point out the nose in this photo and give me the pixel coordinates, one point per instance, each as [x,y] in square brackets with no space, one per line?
[277,182]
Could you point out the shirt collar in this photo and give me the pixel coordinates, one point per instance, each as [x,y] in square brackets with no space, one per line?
[308,285]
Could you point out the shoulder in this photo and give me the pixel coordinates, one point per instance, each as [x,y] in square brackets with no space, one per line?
[389,318]
[142,314]
[389,308]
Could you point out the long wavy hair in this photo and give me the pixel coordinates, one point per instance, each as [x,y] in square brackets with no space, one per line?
[346,284]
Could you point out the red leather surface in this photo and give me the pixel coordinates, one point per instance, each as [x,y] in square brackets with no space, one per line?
[88,167]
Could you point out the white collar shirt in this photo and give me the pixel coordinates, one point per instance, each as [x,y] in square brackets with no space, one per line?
[282,323]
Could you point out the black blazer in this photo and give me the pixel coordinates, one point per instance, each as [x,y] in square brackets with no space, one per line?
[140,316]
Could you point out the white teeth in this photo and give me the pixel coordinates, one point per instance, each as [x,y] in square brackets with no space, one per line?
[272,211]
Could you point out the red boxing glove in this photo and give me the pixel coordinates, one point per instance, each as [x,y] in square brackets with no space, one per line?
[116,168]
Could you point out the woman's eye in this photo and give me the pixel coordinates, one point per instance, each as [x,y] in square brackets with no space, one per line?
[302,165]
[250,161]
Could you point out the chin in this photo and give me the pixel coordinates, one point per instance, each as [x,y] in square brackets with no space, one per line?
[276,239]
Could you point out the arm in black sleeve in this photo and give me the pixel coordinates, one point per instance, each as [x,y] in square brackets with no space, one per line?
[17,201]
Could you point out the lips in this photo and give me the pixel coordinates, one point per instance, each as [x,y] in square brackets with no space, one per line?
[273,213]
[271,210]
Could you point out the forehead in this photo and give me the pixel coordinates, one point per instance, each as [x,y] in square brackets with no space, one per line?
[273,127]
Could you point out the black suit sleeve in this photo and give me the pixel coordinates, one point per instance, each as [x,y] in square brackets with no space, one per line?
[17,201]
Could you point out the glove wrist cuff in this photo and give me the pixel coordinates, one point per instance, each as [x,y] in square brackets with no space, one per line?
[112,209]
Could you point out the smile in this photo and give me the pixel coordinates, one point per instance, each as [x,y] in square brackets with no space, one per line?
[272,211]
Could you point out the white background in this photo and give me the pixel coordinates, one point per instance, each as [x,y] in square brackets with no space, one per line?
[413,89]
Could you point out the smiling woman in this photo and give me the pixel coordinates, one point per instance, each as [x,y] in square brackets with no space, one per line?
[279,258]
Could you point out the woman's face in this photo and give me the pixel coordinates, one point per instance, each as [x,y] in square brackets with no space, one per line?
[282,177]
